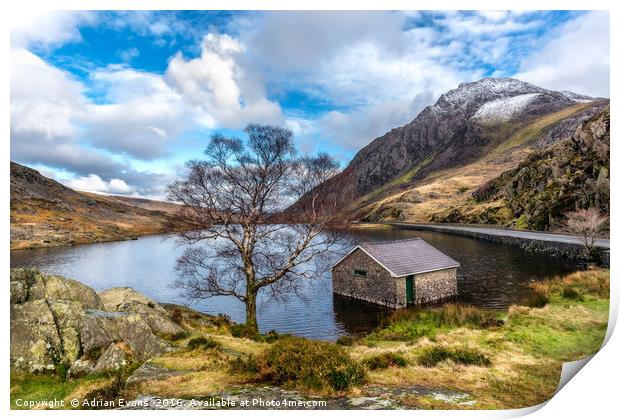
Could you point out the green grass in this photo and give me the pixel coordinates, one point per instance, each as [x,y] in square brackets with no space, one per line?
[203,343]
[45,387]
[432,356]
[557,335]
[413,323]
[386,360]
[33,387]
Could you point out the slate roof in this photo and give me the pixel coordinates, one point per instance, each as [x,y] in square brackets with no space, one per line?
[406,257]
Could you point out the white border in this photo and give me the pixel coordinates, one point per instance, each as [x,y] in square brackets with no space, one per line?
[593,394]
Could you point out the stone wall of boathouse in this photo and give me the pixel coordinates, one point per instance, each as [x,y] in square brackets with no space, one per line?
[377,287]
[435,286]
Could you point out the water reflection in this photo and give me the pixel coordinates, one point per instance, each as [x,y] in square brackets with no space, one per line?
[490,276]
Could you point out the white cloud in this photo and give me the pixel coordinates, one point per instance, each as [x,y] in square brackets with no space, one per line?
[573,57]
[94,183]
[51,119]
[285,42]
[142,114]
[490,23]
[45,101]
[47,28]
[128,54]
[217,84]
[354,130]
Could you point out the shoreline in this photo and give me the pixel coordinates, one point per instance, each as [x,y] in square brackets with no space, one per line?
[411,362]
[134,237]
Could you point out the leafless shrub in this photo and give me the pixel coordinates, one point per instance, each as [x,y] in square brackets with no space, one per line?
[588,225]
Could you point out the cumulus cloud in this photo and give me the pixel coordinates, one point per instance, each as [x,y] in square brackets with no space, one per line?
[362,73]
[94,183]
[45,101]
[47,28]
[218,85]
[142,114]
[51,118]
[573,57]
[295,41]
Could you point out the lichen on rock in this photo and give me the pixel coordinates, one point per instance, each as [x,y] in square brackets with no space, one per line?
[61,321]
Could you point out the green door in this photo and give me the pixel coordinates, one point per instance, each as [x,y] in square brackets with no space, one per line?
[409,283]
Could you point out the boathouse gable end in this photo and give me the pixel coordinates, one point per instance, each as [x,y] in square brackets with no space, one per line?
[377,286]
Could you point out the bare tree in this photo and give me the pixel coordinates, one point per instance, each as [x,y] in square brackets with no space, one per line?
[587,224]
[234,200]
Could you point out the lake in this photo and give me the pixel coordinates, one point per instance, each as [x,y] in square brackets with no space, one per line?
[491,276]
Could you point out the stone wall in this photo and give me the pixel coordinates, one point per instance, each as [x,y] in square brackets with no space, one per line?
[435,286]
[377,287]
[553,248]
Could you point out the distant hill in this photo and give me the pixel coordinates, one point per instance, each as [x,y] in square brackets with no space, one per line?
[471,135]
[144,203]
[46,213]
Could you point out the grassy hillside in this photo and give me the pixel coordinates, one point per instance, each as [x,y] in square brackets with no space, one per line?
[45,213]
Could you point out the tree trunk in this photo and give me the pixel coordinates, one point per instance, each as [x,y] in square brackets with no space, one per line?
[250,312]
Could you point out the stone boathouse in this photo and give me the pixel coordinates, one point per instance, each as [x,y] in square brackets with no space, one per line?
[395,273]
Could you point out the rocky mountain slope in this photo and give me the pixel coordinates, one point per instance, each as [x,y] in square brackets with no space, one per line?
[46,213]
[565,176]
[470,135]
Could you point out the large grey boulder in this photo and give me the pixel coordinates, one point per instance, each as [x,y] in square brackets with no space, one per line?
[35,342]
[30,284]
[126,299]
[111,340]
[115,356]
[56,320]
[127,328]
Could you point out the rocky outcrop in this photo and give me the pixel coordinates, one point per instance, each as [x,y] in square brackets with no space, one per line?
[125,299]
[565,176]
[61,321]
[28,284]
[35,341]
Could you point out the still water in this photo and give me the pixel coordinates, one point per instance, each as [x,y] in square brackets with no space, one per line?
[491,276]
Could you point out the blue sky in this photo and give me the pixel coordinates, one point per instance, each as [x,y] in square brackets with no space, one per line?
[116,102]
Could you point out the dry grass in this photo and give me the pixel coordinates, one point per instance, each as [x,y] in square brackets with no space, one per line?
[191,360]
[190,385]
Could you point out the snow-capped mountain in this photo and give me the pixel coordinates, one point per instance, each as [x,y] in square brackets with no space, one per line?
[460,127]
[503,109]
